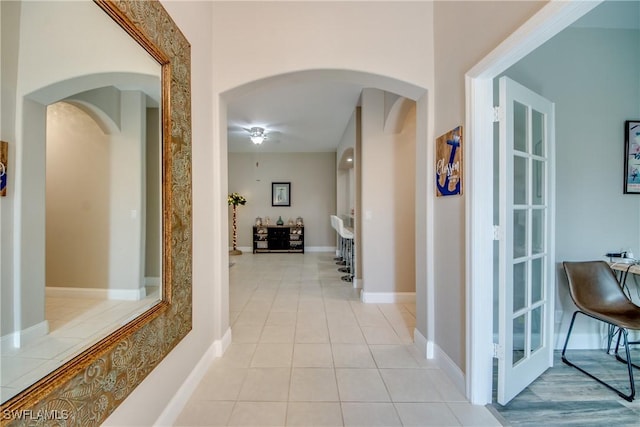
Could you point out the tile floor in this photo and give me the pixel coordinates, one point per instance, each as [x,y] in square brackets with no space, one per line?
[307,352]
[74,325]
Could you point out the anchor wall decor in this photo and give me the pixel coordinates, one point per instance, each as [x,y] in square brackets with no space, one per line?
[449,163]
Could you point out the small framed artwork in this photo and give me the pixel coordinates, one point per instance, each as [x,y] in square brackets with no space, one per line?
[632,157]
[4,158]
[280,194]
[449,163]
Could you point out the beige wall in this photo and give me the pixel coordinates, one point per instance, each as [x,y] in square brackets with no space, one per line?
[77,214]
[479,27]
[33,76]
[388,201]
[313,193]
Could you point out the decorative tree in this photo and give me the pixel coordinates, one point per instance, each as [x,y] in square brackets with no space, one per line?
[234,199]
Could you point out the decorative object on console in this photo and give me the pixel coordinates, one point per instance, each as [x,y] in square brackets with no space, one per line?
[258,222]
[280,221]
[632,157]
[278,238]
[235,199]
[299,221]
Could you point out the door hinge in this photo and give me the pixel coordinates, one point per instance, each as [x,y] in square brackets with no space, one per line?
[497,114]
[497,235]
[498,351]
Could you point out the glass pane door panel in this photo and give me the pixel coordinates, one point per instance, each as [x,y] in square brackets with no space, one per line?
[537,279]
[520,184]
[519,233]
[537,133]
[536,328]
[519,127]
[519,286]
[519,327]
[538,172]
[537,231]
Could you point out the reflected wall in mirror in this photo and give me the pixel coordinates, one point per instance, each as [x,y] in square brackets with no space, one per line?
[96,235]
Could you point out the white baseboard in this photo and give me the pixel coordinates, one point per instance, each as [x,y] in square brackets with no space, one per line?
[582,341]
[387,297]
[94,293]
[452,370]
[173,409]
[424,346]
[320,249]
[223,344]
[26,336]
[429,350]
[420,342]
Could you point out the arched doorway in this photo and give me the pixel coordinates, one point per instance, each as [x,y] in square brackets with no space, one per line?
[392,98]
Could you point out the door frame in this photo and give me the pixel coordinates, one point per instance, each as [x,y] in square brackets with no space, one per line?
[549,21]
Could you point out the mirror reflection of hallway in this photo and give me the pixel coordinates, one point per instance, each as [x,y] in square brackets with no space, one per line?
[89,290]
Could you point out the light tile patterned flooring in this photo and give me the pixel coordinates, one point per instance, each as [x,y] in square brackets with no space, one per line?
[307,352]
[74,325]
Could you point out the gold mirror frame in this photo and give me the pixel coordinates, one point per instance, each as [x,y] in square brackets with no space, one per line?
[87,389]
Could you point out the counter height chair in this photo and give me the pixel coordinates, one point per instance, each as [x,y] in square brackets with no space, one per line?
[334,225]
[347,239]
[596,292]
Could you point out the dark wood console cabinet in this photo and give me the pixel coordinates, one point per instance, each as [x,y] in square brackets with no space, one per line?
[278,238]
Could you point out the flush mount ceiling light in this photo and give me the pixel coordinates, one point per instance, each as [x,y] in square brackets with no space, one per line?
[257,135]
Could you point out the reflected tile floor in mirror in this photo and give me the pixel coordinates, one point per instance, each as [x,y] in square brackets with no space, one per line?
[306,351]
[74,324]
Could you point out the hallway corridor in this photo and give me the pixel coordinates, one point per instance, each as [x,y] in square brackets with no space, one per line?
[307,352]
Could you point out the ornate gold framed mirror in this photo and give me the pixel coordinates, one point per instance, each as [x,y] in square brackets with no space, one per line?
[89,386]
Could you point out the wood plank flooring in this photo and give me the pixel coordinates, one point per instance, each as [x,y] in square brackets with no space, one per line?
[563,396]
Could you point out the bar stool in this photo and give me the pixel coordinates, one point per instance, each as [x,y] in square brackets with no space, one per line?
[334,224]
[347,239]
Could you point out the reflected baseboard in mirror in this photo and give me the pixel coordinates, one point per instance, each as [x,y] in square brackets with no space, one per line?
[91,384]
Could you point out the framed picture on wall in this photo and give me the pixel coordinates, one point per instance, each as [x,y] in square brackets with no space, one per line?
[632,157]
[449,163]
[280,194]
[4,156]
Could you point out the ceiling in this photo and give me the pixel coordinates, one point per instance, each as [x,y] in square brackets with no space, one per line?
[312,116]
[298,117]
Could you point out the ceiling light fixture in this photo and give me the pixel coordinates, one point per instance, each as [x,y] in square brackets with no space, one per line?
[257,135]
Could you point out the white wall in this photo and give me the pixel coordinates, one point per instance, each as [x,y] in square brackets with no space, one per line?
[313,193]
[594,82]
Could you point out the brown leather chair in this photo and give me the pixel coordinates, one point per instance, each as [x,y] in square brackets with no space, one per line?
[597,294]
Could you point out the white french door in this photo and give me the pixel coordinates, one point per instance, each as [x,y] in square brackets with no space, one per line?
[526,216]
